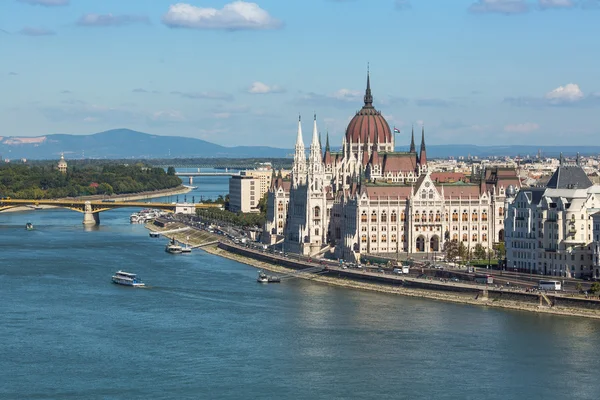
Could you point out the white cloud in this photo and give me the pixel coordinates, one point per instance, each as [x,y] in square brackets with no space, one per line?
[262,88]
[29,31]
[570,93]
[205,95]
[526,127]
[47,3]
[507,7]
[548,4]
[110,20]
[346,95]
[238,15]
[222,115]
[168,116]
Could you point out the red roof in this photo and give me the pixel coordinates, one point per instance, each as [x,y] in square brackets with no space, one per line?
[399,162]
[368,126]
[462,191]
[392,192]
[447,177]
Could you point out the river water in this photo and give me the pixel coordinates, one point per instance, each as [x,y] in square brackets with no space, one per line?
[204,329]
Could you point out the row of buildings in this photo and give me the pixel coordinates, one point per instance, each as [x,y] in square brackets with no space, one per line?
[555,229]
[369,198]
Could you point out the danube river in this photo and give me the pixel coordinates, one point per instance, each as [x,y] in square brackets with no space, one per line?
[204,329]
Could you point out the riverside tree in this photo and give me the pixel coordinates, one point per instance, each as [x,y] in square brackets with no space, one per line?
[479,252]
[451,250]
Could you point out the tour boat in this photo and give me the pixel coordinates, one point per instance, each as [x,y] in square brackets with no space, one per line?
[173,247]
[29,226]
[154,234]
[262,277]
[127,279]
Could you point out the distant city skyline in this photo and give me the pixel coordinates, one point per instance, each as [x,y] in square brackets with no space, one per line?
[485,72]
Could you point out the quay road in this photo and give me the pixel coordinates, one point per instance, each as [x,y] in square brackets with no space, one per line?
[449,276]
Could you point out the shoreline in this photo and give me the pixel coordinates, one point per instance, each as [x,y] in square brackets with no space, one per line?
[125,197]
[466,298]
[451,297]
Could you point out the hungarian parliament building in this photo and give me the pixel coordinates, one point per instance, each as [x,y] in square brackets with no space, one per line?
[370,198]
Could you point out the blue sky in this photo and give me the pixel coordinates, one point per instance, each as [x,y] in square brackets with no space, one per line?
[235,72]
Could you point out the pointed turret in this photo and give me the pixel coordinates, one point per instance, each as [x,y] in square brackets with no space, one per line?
[368,95]
[412,141]
[299,168]
[315,162]
[299,139]
[423,154]
[316,141]
[327,155]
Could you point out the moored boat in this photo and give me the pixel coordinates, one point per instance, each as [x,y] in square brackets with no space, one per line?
[173,247]
[127,279]
[262,277]
[154,234]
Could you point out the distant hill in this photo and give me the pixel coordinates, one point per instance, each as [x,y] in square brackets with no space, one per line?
[125,143]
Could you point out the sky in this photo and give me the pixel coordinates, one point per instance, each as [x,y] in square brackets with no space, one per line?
[485,72]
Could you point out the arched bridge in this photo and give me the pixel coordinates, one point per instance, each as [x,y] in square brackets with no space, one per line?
[91,209]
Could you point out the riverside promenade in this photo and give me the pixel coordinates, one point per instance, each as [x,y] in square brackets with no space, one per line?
[363,279]
[456,292]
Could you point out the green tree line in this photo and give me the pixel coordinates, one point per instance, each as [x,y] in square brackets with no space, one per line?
[44,181]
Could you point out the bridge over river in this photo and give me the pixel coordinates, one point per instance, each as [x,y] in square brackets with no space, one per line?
[91,209]
[191,175]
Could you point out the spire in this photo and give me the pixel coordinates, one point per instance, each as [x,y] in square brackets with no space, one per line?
[423,153]
[327,142]
[412,141]
[299,140]
[368,95]
[315,138]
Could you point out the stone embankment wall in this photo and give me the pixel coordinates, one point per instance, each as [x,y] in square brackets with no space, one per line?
[414,287]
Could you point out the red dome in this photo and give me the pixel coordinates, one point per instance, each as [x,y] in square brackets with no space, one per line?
[368,124]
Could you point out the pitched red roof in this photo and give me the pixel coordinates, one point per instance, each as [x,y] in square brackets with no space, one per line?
[447,177]
[394,192]
[399,162]
[462,191]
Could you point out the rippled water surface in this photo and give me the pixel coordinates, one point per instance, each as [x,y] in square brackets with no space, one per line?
[205,329]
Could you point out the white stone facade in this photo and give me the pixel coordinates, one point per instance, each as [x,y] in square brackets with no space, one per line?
[549,230]
[369,199]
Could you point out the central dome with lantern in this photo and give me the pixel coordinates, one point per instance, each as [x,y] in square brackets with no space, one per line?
[369,126]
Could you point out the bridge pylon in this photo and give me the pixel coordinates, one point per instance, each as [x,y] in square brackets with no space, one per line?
[90,217]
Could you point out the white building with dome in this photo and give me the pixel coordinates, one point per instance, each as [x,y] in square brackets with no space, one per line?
[62,164]
[369,198]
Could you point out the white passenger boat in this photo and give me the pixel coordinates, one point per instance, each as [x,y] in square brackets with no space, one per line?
[127,279]
[262,277]
[173,247]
